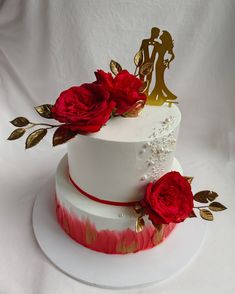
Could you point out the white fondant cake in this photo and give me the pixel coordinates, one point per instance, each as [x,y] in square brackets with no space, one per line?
[114,165]
[116,162]
[105,217]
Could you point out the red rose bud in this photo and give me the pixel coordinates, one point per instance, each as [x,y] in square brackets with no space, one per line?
[169,199]
[85,109]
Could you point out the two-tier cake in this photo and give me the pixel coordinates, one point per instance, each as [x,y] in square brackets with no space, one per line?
[119,189]
[105,174]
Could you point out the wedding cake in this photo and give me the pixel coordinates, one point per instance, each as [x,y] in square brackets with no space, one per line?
[119,188]
[113,166]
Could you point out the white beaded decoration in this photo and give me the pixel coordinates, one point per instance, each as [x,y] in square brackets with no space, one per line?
[160,149]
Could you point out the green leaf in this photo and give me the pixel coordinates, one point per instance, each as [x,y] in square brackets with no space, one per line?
[16,134]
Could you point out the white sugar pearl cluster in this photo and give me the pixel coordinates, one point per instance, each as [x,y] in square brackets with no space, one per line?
[160,149]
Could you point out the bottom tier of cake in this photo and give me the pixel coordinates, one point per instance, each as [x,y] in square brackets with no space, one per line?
[101,227]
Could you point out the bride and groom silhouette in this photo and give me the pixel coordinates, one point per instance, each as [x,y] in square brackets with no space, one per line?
[158,45]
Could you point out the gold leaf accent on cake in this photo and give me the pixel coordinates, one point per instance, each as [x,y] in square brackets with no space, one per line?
[124,248]
[204,196]
[189,179]
[35,137]
[62,135]
[91,233]
[20,121]
[139,57]
[16,134]
[206,214]
[146,68]
[139,224]
[212,195]
[201,196]
[44,110]
[115,67]
[159,234]
[135,109]
[66,226]
[216,206]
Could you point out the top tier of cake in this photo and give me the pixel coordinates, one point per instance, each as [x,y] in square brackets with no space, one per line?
[115,163]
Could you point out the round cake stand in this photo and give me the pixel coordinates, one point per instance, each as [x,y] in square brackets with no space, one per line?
[113,271]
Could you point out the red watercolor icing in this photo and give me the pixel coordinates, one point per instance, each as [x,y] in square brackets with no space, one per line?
[111,242]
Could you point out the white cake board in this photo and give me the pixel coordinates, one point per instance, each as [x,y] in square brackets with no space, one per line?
[113,271]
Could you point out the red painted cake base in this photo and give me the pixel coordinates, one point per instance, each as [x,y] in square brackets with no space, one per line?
[110,241]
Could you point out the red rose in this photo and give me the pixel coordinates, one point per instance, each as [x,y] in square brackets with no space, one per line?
[123,88]
[168,200]
[105,79]
[126,92]
[85,109]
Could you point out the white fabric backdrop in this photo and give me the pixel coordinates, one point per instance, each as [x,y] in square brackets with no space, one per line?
[47,46]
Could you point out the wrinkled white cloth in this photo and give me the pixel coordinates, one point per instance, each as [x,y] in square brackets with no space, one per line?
[47,46]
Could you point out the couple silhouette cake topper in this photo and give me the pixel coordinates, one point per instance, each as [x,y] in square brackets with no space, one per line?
[157,53]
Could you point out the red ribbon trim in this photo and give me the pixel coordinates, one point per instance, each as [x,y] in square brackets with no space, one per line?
[114,203]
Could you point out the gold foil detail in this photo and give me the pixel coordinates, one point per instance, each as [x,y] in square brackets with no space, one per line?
[159,234]
[206,214]
[115,67]
[189,179]
[139,224]
[35,137]
[135,109]
[216,206]
[44,110]
[16,134]
[124,248]
[66,226]
[20,121]
[91,233]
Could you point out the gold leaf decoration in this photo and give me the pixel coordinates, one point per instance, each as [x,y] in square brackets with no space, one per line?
[135,109]
[206,214]
[201,196]
[212,195]
[122,247]
[192,214]
[189,179]
[144,86]
[20,121]
[16,134]
[35,137]
[91,233]
[139,57]
[216,206]
[138,208]
[44,110]
[62,135]
[159,234]
[139,224]
[146,68]
[115,67]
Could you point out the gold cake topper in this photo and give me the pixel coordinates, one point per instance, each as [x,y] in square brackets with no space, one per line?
[151,61]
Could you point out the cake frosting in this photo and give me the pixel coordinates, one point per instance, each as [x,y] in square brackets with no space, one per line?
[114,165]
